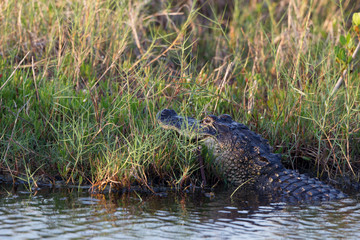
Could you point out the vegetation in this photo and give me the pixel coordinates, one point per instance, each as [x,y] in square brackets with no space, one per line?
[81,83]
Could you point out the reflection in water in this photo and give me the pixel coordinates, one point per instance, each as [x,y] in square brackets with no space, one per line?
[70,213]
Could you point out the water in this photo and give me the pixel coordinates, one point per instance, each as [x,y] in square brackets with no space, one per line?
[76,214]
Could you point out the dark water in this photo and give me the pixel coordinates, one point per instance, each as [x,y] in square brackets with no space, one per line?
[76,214]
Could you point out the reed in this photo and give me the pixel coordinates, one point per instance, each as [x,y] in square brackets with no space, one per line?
[82,81]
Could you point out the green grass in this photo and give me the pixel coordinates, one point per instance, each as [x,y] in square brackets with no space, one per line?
[82,81]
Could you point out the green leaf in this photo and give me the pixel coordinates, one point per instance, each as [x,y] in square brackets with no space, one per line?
[356,19]
[349,59]
[348,38]
[349,41]
[340,54]
[342,40]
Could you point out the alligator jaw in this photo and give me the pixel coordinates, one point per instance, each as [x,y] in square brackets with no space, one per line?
[187,126]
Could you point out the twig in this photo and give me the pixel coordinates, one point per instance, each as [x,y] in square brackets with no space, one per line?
[15,115]
[240,187]
[202,171]
[34,77]
[133,27]
[14,71]
[164,52]
[222,85]
[111,66]
[341,79]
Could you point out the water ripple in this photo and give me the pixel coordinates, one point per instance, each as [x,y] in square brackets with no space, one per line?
[69,215]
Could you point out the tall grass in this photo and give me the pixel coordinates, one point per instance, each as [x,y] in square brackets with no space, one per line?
[81,104]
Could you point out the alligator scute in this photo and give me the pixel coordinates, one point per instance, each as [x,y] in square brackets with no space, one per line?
[245,158]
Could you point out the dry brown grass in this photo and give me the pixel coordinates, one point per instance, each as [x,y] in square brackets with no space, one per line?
[96,72]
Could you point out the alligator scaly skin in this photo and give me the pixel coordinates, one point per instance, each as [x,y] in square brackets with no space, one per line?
[245,159]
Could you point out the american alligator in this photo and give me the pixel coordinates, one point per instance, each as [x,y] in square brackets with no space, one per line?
[245,159]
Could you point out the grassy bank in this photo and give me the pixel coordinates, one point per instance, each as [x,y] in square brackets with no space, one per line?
[82,81]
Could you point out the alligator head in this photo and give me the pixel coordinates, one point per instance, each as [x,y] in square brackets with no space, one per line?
[240,154]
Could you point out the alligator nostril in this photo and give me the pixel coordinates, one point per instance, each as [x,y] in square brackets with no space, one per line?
[168,112]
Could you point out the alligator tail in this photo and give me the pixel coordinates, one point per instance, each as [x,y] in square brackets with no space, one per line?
[300,187]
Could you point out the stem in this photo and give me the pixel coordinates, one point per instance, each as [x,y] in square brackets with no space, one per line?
[341,79]
[14,71]
[202,171]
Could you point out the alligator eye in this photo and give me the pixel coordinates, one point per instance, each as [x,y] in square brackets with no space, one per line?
[207,121]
